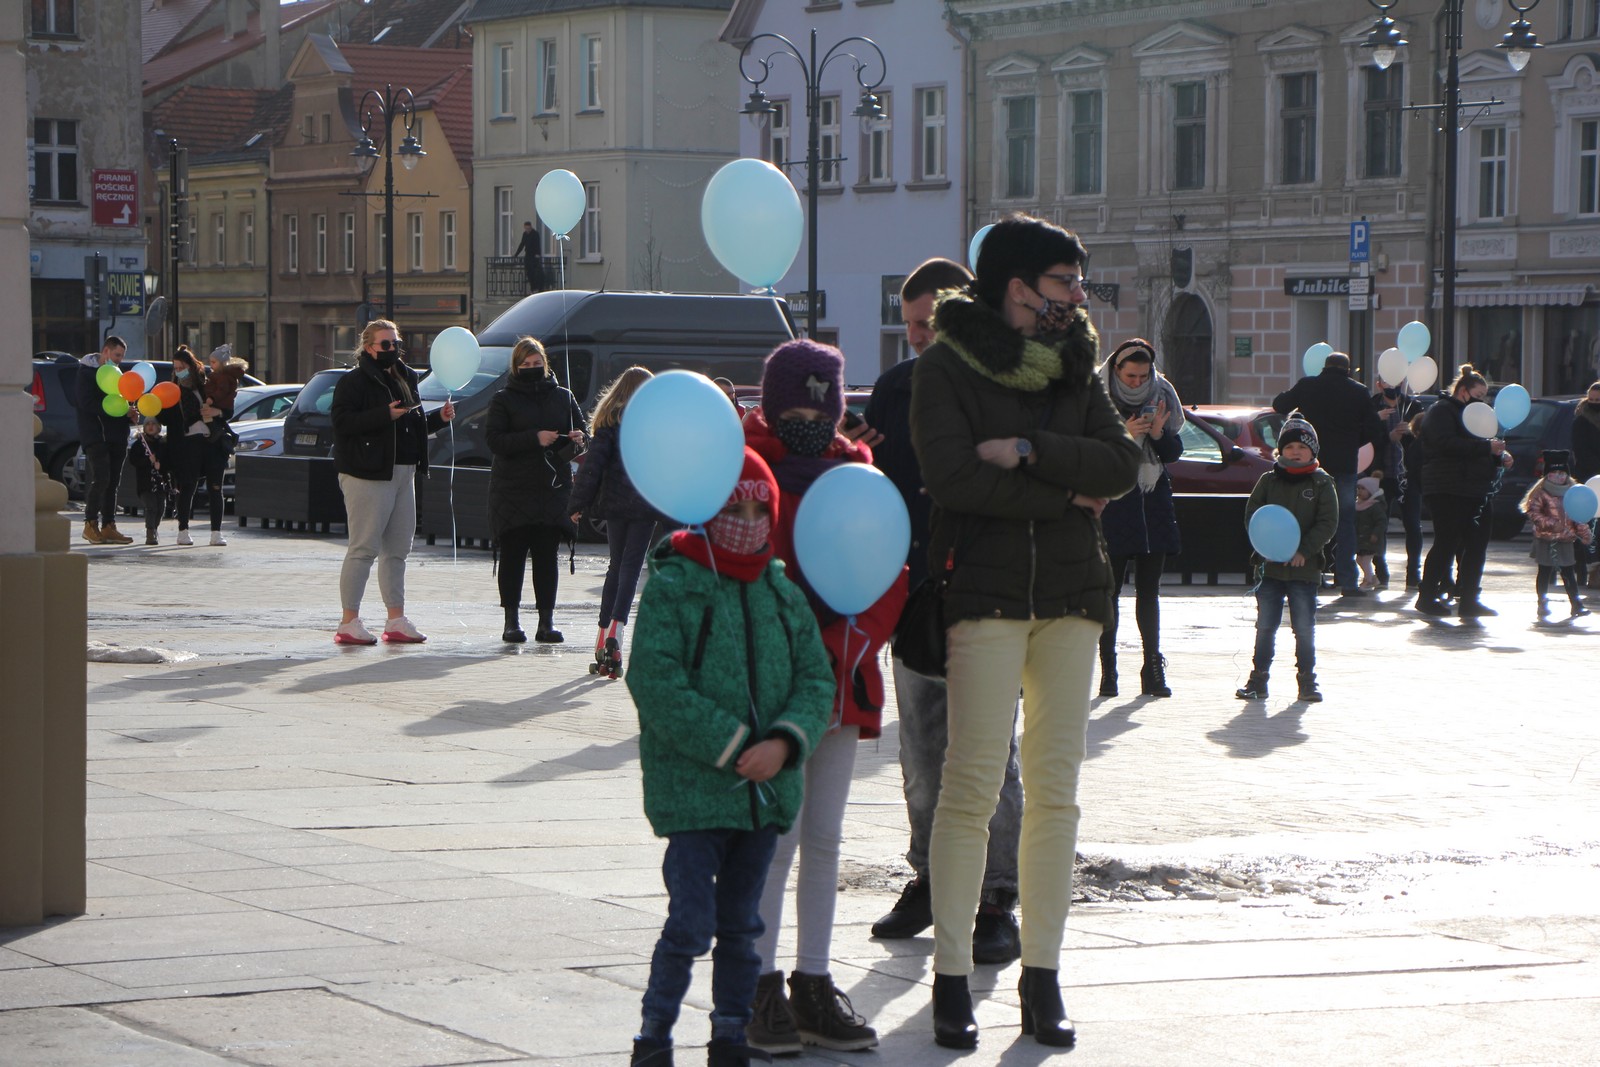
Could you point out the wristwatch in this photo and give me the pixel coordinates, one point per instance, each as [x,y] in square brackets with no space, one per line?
[1024,450]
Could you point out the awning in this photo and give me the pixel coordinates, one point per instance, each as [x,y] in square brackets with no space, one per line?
[1539,296]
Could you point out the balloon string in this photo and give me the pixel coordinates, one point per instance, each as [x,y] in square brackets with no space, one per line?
[455,538]
[566,344]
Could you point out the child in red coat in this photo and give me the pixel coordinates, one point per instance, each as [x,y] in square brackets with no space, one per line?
[796,431]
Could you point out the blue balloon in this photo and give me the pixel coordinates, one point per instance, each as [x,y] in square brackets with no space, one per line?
[147,373]
[1413,340]
[752,221]
[1316,356]
[851,535]
[453,358]
[1582,503]
[975,244]
[1511,405]
[682,445]
[560,200]
[1274,533]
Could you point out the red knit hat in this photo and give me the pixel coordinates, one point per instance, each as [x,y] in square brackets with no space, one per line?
[756,483]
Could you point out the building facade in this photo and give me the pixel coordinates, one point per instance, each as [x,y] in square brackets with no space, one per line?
[635,97]
[890,189]
[85,146]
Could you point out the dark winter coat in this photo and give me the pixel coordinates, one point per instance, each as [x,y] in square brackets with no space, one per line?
[186,453]
[602,488]
[1458,462]
[95,427]
[1585,441]
[1021,549]
[529,484]
[144,472]
[719,664]
[1144,522]
[889,413]
[1340,409]
[364,434]
[1392,455]
[1313,499]
[1372,528]
[222,386]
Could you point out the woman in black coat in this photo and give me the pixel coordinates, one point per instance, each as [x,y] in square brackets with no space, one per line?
[1142,526]
[535,428]
[190,455]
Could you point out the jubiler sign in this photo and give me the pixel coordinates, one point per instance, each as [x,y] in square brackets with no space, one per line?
[1326,285]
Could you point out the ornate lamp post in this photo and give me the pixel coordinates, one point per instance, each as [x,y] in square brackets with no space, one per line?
[1385,40]
[386,106]
[811,70]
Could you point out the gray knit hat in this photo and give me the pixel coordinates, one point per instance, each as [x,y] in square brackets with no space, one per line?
[1295,428]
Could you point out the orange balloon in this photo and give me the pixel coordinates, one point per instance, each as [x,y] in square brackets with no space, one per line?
[131,386]
[166,392]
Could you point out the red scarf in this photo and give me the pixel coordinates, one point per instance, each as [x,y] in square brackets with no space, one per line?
[698,547]
[1298,472]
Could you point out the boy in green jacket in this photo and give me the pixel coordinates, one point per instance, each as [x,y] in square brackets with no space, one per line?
[1308,491]
[734,691]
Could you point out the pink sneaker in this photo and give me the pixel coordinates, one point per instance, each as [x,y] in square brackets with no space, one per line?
[353,633]
[401,632]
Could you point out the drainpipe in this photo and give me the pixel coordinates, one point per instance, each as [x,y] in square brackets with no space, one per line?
[969,93]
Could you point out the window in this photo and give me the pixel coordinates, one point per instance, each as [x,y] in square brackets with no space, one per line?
[347,241]
[447,240]
[591,72]
[414,231]
[219,239]
[589,236]
[55,18]
[1383,121]
[1589,167]
[503,244]
[319,243]
[502,80]
[55,160]
[1299,128]
[291,244]
[878,145]
[380,234]
[930,134]
[1492,172]
[1189,135]
[1087,136]
[829,171]
[1019,154]
[247,238]
[549,76]
[778,134]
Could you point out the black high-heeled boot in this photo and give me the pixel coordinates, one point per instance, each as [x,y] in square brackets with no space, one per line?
[953,1022]
[1043,1015]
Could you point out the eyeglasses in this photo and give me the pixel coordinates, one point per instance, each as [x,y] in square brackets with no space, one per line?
[390,346]
[1071,281]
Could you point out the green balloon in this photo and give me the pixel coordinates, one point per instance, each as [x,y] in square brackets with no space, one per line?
[107,377]
[115,406]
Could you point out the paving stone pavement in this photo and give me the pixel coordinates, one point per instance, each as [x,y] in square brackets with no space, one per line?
[308,855]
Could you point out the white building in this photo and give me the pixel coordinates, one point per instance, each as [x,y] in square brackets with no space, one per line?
[894,196]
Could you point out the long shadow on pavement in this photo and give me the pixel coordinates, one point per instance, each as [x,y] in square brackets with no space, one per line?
[1253,733]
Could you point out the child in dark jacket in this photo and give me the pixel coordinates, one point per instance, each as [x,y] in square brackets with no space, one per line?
[1372,533]
[1300,485]
[148,454]
[733,692]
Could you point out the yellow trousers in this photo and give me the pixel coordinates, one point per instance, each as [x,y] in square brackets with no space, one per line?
[1053,660]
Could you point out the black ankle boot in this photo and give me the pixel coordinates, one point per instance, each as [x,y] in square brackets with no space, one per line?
[1153,678]
[1108,673]
[1043,1015]
[547,634]
[953,1022]
[513,634]
[648,1053]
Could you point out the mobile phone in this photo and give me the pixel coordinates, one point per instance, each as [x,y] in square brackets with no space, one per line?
[1148,409]
[852,420]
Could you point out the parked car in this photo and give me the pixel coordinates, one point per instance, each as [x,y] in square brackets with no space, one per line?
[1548,425]
[1226,449]
[255,402]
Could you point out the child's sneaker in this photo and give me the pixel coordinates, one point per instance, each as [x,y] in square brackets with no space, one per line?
[353,633]
[1309,693]
[1254,688]
[399,631]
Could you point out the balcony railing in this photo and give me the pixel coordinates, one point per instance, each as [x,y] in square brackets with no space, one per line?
[507,279]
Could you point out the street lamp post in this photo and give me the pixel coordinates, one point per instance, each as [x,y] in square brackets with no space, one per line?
[1385,40]
[386,106]
[811,70]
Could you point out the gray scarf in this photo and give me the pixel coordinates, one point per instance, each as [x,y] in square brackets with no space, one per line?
[1129,399]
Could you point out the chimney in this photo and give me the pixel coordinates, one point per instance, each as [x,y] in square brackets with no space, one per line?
[271,19]
[234,14]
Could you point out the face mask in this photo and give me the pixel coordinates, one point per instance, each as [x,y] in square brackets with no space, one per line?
[739,536]
[804,437]
[1054,316]
[181,375]
[386,359]
[529,374]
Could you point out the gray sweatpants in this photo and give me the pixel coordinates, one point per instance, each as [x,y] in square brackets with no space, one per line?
[381,518]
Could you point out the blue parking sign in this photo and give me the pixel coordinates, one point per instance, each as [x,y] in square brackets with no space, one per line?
[1360,241]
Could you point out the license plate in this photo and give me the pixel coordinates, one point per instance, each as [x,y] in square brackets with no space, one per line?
[305,439]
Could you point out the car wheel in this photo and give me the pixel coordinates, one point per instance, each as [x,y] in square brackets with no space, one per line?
[64,469]
[592,531]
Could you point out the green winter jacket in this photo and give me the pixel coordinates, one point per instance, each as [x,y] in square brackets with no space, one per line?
[1314,502]
[702,645]
[1021,550]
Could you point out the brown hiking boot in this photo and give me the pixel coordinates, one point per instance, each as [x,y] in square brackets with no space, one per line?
[110,535]
[91,533]
[825,1016]
[772,1023]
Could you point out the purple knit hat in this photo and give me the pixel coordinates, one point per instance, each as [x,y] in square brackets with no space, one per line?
[803,374]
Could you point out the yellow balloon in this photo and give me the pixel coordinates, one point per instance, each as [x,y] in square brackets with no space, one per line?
[149,406]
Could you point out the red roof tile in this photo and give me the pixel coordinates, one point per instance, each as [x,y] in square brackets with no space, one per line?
[210,118]
[208,49]
[439,78]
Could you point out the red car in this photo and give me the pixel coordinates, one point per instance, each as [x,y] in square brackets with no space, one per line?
[1225,449]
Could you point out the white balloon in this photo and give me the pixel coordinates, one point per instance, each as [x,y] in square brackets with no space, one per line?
[1422,373]
[1480,419]
[560,200]
[1594,483]
[1392,366]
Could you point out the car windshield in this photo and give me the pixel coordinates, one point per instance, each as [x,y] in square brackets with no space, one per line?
[1532,428]
[317,396]
[1198,445]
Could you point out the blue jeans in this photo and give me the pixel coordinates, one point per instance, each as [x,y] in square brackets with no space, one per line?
[714,880]
[1344,538]
[1302,597]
